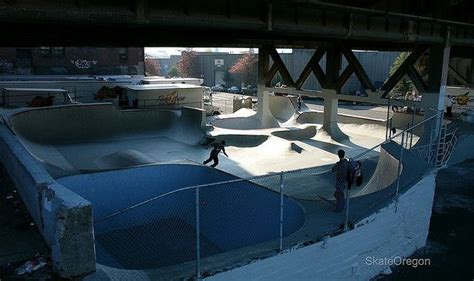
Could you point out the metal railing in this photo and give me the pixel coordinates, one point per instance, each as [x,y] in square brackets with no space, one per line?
[285,184]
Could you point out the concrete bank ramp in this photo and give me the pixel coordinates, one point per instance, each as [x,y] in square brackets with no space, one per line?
[384,175]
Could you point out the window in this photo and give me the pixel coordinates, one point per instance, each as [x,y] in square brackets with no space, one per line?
[123,53]
[45,51]
[57,51]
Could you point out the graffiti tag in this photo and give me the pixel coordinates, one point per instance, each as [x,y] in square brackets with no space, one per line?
[169,99]
[5,64]
[83,64]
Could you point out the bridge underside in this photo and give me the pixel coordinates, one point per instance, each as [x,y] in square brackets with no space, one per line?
[374,24]
[439,29]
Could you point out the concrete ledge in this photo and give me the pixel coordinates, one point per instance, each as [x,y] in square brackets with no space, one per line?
[62,217]
[194,116]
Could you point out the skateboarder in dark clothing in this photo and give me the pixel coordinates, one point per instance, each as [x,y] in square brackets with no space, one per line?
[218,147]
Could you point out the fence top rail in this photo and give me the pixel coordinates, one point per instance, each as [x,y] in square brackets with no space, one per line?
[439,112]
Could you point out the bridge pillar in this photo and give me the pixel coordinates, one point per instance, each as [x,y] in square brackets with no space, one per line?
[434,98]
[470,79]
[263,107]
[333,66]
[330,114]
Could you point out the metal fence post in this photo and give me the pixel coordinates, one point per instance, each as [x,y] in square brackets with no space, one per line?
[438,146]
[400,165]
[388,117]
[198,244]
[281,211]
[346,219]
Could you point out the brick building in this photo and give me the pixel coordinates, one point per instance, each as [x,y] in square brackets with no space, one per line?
[71,60]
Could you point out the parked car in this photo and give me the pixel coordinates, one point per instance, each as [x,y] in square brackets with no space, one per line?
[218,88]
[249,90]
[234,90]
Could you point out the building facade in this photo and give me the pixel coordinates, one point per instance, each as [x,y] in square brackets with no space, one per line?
[214,65]
[71,60]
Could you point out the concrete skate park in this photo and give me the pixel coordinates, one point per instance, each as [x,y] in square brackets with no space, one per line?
[119,191]
[158,154]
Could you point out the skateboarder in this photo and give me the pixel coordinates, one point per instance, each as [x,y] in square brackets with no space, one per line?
[299,100]
[344,179]
[218,147]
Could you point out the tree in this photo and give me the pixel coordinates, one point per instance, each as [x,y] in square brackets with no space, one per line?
[152,66]
[173,72]
[246,66]
[188,64]
[405,84]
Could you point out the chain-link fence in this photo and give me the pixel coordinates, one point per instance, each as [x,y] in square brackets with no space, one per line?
[197,230]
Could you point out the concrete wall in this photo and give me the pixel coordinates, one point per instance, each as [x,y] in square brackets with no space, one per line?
[395,231]
[82,91]
[63,218]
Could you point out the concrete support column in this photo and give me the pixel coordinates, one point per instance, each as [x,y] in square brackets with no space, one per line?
[263,108]
[333,66]
[434,98]
[330,110]
[330,115]
[470,78]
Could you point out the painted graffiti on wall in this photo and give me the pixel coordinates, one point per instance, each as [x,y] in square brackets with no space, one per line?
[83,64]
[4,64]
[169,99]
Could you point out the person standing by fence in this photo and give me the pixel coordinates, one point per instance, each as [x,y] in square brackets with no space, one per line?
[344,178]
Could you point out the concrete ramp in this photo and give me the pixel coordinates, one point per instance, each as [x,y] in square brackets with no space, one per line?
[285,108]
[384,175]
[282,108]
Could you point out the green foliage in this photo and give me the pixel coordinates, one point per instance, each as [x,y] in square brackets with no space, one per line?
[405,84]
[173,72]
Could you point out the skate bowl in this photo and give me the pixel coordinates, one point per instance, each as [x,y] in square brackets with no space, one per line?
[160,233]
[92,137]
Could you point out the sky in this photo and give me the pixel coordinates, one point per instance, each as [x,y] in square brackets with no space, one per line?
[166,52]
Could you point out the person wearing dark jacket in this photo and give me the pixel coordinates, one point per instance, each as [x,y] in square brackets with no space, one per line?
[217,148]
[343,171]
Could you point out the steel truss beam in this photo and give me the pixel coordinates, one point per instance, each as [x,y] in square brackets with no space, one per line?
[313,66]
[407,68]
[456,75]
